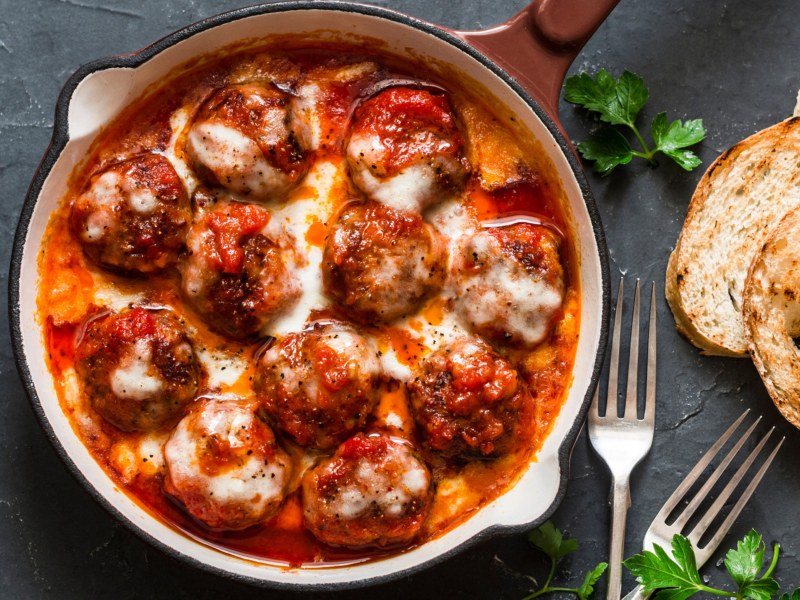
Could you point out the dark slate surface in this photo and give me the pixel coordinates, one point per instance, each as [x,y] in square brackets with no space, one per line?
[734,63]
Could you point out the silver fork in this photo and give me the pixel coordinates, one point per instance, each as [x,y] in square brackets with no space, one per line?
[623,440]
[661,533]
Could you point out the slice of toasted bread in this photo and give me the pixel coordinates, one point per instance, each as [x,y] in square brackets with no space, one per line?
[772,315]
[745,192]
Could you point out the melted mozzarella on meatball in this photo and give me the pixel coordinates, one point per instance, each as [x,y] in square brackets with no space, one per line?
[319,385]
[373,487]
[137,377]
[237,274]
[505,290]
[137,367]
[244,140]
[133,216]
[405,149]
[224,466]
[468,401]
[322,102]
[373,491]
[411,189]
[380,264]
[235,159]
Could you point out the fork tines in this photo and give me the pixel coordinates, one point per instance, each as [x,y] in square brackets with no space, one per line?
[630,408]
[701,528]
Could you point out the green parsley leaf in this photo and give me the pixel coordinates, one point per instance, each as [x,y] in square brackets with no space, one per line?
[673,140]
[684,555]
[550,540]
[608,148]
[795,595]
[745,562]
[761,589]
[656,570]
[587,587]
[675,594]
[617,101]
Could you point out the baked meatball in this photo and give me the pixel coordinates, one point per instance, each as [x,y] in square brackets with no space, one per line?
[510,283]
[405,148]
[244,140]
[234,273]
[133,216]
[319,385]
[374,491]
[137,368]
[468,402]
[224,465]
[380,264]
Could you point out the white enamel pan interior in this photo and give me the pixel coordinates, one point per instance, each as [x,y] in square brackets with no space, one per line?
[92,98]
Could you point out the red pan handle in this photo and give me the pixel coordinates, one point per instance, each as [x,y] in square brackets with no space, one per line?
[537,45]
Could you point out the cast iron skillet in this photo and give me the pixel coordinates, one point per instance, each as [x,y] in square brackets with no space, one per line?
[523,61]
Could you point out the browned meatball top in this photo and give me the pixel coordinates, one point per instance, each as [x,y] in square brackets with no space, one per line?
[244,140]
[138,368]
[133,216]
[381,264]
[375,491]
[319,385]
[468,402]
[235,274]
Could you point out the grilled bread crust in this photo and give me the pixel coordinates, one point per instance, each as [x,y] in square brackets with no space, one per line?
[772,315]
[739,199]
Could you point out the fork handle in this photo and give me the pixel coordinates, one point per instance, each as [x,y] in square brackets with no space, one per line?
[637,593]
[620,501]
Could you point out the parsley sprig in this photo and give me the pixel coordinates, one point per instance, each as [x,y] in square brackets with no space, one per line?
[550,540]
[618,103]
[674,577]
[677,577]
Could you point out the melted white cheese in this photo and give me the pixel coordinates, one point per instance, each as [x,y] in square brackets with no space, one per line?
[305,104]
[506,294]
[223,368]
[151,450]
[295,218]
[306,114]
[103,194]
[178,123]
[253,482]
[140,199]
[137,378]
[301,382]
[393,420]
[110,297]
[97,224]
[408,190]
[235,159]
[77,402]
[105,191]
[374,487]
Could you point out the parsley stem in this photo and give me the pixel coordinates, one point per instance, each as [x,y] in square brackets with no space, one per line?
[774,562]
[647,154]
[545,589]
[551,574]
[550,590]
[716,592]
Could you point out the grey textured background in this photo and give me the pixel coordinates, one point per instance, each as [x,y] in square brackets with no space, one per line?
[734,63]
